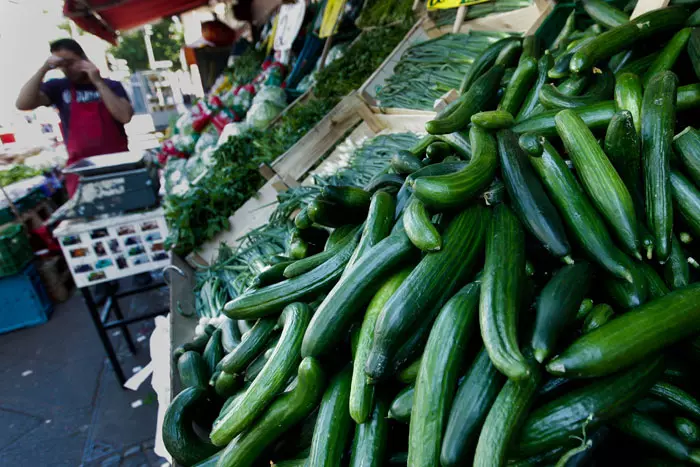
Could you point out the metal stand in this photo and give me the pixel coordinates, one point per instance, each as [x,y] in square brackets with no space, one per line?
[102,323]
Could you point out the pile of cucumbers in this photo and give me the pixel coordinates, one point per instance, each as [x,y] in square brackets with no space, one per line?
[518,288]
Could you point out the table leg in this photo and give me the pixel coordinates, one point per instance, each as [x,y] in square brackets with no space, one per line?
[95,315]
[124,328]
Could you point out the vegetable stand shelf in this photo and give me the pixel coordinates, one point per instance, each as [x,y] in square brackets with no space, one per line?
[108,249]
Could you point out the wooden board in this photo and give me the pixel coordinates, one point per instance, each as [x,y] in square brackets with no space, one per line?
[645,6]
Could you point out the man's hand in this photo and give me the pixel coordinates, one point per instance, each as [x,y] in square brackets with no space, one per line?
[91,70]
[53,62]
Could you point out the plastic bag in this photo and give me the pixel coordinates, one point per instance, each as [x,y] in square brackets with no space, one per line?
[175,177]
[206,139]
[185,143]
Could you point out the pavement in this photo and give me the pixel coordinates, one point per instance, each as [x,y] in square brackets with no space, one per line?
[60,403]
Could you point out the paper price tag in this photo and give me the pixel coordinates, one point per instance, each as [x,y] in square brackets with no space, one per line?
[331,13]
[289,22]
[446,4]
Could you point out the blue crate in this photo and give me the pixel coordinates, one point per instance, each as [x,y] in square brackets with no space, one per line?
[23,300]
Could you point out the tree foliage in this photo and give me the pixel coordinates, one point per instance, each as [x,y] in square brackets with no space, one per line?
[166,41]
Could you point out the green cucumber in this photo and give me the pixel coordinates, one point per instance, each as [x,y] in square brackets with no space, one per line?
[694,49]
[564,35]
[230,334]
[676,269]
[560,68]
[459,142]
[437,378]
[530,143]
[531,48]
[404,162]
[315,236]
[441,168]
[519,85]
[427,287]
[532,98]
[210,461]
[340,236]
[333,423]
[380,220]
[330,214]
[384,182]
[349,197]
[302,219]
[626,294]
[179,436]
[272,274]
[482,63]
[370,442]
[580,216]
[687,148]
[213,352]
[193,370]
[409,374]
[557,306]
[437,151]
[284,359]
[600,180]
[361,392]
[471,405]
[657,287]
[687,430]
[584,308]
[252,343]
[694,19]
[677,397]
[605,14]
[456,190]
[257,365]
[273,298]
[297,248]
[573,85]
[687,200]
[628,96]
[419,228]
[528,199]
[474,100]
[602,88]
[493,119]
[595,116]
[299,267]
[658,120]
[422,145]
[284,413]
[502,284]
[502,425]
[647,430]
[622,37]
[226,384]
[506,57]
[402,405]
[668,56]
[633,336]
[599,315]
[555,422]
[355,289]
[623,149]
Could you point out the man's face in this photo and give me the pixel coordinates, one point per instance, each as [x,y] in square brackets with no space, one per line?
[70,66]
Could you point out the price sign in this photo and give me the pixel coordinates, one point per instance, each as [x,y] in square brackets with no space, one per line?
[446,4]
[288,25]
[331,14]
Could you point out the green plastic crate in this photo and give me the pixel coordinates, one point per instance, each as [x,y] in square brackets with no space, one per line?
[15,251]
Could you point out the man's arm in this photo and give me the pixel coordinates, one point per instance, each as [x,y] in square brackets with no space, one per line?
[30,96]
[119,107]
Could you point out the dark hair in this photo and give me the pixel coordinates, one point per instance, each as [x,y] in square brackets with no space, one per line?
[67,44]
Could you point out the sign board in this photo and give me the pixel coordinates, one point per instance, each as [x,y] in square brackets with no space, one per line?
[288,24]
[331,14]
[446,4]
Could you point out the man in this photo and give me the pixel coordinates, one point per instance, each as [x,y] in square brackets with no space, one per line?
[93,110]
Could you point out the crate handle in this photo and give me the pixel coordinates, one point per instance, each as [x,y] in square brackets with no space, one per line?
[171,267]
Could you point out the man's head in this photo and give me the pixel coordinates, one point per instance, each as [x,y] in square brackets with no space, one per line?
[72,55]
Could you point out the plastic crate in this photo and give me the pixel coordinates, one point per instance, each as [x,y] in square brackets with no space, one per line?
[23,300]
[15,251]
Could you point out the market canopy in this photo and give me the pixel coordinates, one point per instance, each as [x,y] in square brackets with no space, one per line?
[104,18]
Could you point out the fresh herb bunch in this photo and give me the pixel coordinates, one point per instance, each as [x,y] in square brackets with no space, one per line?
[376,13]
[247,66]
[17,173]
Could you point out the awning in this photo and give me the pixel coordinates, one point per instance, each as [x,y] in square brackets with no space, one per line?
[104,18]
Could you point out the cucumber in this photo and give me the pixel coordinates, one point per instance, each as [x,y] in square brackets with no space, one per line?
[668,56]
[596,116]
[348,197]
[528,199]
[257,365]
[348,297]
[179,437]
[633,336]
[253,342]
[603,88]
[676,269]
[474,100]
[557,306]
[230,334]
[384,182]
[532,98]
[657,287]
[687,430]
[553,423]
[584,308]
[482,63]
[622,147]
[625,294]
[437,151]
[437,378]
[531,48]
[579,215]
[226,384]
[213,352]
[428,287]
[333,215]
[694,49]
[560,69]
[371,438]
[210,461]
[658,119]
[573,85]
[506,57]
[361,392]
[287,410]
[507,414]
[455,190]
[598,316]
[677,397]
[302,219]
[192,370]
[333,424]
[519,85]
[471,405]
[409,374]
[502,284]
[340,236]
[622,37]
[280,366]
[422,145]
[530,143]
[419,228]
[402,405]
[645,429]
[687,200]
[271,275]
[297,248]
[273,298]
[628,96]
[605,14]
[493,119]
[563,38]
[639,65]
[599,179]
[404,162]
[441,168]
[333,245]
[315,236]
[687,148]
[380,220]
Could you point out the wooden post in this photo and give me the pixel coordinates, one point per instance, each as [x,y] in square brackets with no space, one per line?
[461,13]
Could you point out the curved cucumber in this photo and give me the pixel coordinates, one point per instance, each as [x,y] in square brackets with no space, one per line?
[179,437]
[230,335]
[370,442]
[668,56]
[602,88]
[519,85]
[677,397]
[483,62]
[419,228]
[628,96]
[213,352]
[595,116]
[192,370]
[253,342]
